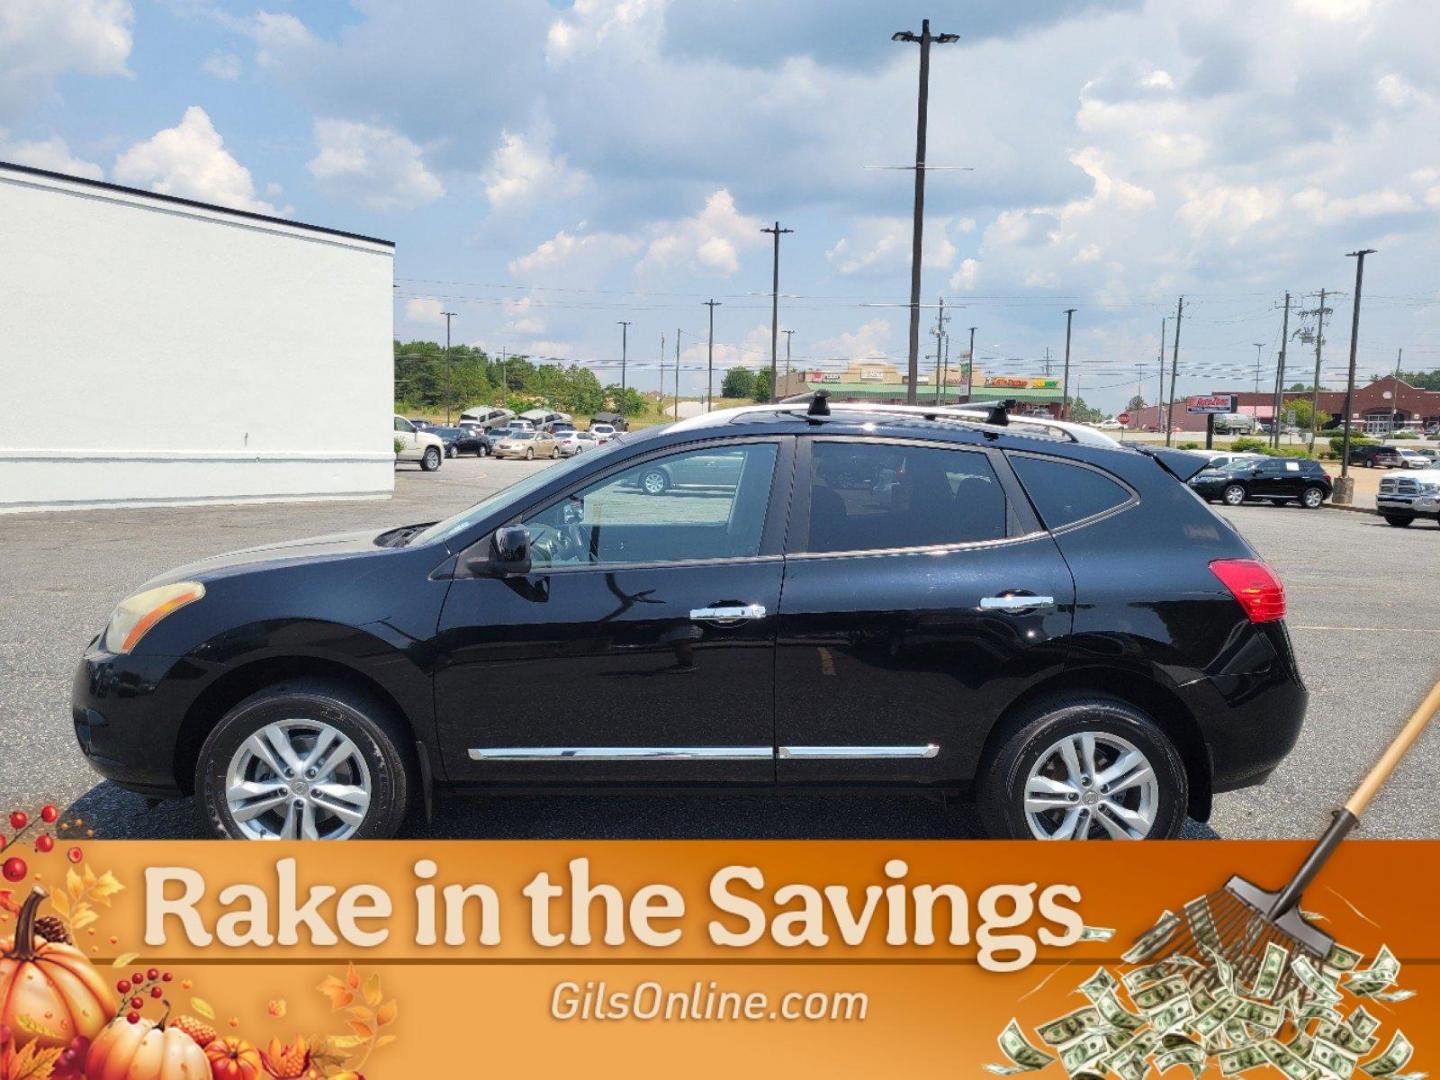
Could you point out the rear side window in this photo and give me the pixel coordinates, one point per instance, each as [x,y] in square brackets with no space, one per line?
[1064,493]
[879,496]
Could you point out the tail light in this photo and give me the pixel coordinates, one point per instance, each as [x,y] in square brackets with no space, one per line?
[1254,585]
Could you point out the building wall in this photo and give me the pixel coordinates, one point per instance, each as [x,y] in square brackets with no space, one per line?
[160,352]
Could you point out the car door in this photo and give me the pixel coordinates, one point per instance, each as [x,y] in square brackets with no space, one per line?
[639,647]
[408,439]
[920,595]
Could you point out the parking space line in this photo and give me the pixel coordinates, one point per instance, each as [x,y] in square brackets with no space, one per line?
[1371,629]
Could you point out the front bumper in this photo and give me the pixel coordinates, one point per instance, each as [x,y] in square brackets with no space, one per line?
[127,712]
[1419,505]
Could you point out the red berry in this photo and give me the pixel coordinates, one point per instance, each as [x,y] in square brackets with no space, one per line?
[123,986]
[44,843]
[75,854]
[166,977]
[19,819]
[152,974]
[138,978]
[15,869]
[48,814]
[137,1003]
[156,992]
[133,1017]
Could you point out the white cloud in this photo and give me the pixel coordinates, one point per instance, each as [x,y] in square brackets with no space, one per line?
[425,311]
[522,318]
[882,245]
[43,39]
[52,153]
[707,243]
[566,249]
[965,277]
[591,24]
[190,159]
[278,36]
[865,342]
[1398,92]
[372,165]
[223,65]
[523,170]
[1340,11]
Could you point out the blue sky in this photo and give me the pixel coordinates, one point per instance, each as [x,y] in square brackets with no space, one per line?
[547,169]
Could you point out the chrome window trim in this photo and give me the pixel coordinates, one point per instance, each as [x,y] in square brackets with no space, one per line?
[832,753]
[621,753]
[1080,523]
[926,549]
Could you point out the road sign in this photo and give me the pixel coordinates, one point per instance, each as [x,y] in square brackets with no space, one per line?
[1123,419]
[1210,403]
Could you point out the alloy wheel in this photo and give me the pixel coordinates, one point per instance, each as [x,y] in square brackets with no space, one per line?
[298,780]
[1313,497]
[1234,495]
[1091,785]
[654,483]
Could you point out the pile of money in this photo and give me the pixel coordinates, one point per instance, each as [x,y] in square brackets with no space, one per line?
[1199,1011]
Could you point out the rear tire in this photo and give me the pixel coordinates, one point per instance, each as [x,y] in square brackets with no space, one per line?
[1233,495]
[431,461]
[1312,498]
[1400,521]
[655,482]
[1027,755]
[317,705]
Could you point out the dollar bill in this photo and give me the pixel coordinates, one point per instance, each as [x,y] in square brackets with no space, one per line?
[1223,971]
[1318,986]
[1334,1059]
[1381,974]
[1023,1057]
[1302,1044]
[1153,940]
[1192,1056]
[1173,1015]
[1202,923]
[1342,1035]
[1361,1022]
[1391,995]
[1069,1027]
[1097,933]
[1115,1014]
[1272,966]
[1396,1056]
[1213,1018]
[1142,976]
[1151,998]
[1241,1059]
[1342,959]
[1083,1052]
[1267,1017]
[1102,982]
[1287,1061]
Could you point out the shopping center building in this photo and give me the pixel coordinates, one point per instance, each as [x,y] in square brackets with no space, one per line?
[881,382]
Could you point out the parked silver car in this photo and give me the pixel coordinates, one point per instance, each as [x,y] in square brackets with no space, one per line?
[574,442]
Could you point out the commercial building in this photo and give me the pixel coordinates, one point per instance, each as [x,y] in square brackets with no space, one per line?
[157,350]
[881,382]
[1381,407]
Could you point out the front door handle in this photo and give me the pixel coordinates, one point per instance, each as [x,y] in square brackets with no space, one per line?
[736,613]
[1015,602]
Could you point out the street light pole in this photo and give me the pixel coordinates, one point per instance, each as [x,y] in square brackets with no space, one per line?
[970,369]
[924,39]
[789,334]
[777,232]
[710,359]
[449,391]
[1346,486]
[624,348]
[1065,381]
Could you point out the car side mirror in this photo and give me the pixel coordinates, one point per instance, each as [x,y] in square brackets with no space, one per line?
[509,554]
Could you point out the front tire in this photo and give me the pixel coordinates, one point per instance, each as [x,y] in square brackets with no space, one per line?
[1312,498]
[305,759]
[655,482]
[1083,768]
[1233,495]
[431,461]
[1400,521]
[530,454]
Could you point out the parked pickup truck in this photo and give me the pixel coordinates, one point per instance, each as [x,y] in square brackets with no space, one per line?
[1408,496]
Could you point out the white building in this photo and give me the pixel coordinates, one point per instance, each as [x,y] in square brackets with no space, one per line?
[156,350]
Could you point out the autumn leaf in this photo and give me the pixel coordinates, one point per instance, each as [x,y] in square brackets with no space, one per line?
[59,901]
[372,989]
[365,1031]
[384,1040]
[386,1013]
[124,959]
[82,917]
[344,1042]
[106,887]
[33,1063]
[203,1007]
[339,994]
[360,1012]
[352,977]
[35,1027]
[73,885]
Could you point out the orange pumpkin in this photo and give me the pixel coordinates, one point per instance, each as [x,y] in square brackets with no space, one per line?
[50,984]
[145,1051]
[233,1059]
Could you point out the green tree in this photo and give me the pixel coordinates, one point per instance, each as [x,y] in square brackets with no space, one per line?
[1081,413]
[1422,380]
[739,383]
[1136,402]
[630,403]
[761,391]
[1301,408]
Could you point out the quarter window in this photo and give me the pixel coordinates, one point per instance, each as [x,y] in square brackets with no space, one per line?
[877,496]
[702,504]
[1064,493]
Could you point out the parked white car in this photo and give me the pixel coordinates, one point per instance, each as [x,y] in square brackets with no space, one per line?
[603,432]
[1409,459]
[575,442]
[418,446]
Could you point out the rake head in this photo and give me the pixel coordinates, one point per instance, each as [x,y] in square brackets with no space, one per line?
[1235,925]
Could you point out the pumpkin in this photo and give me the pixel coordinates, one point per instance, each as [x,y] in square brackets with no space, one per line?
[233,1059]
[49,984]
[145,1050]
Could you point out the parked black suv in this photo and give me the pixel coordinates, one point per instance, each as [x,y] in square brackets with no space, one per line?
[463,440]
[1024,612]
[1275,480]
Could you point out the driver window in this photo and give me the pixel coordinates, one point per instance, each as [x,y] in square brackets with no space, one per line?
[403,425]
[701,504]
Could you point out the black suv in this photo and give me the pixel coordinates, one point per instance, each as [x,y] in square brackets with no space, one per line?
[463,440]
[1016,610]
[1276,480]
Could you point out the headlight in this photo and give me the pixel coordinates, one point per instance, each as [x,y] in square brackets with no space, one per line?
[134,617]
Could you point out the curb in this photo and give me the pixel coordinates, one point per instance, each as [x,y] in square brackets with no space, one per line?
[1352,509]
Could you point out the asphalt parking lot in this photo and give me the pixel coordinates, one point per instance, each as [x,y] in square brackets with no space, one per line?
[1365,626]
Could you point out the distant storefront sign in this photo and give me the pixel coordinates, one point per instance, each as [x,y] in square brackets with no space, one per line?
[1013,383]
[830,376]
[1211,403]
[872,376]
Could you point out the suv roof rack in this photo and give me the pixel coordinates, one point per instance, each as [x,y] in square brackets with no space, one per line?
[816,408]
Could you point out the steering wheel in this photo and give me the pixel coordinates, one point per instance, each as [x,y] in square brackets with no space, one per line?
[556,544]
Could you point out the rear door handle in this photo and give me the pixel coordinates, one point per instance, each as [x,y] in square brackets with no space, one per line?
[1014,602]
[737,613]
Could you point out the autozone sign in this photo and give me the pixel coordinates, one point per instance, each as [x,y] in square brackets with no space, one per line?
[1213,403]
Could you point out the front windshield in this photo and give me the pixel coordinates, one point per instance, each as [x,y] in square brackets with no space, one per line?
[517,492]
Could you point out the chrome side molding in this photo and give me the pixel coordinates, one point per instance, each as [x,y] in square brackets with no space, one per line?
[621,753]
[929,750]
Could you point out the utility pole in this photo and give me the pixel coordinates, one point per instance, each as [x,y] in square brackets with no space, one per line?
[1174,371]
[777,232]
[970,368]
[504,384]
[1345,489]
[1065,381]
[1395,412]
[1047,361]
[624,348]
[1160,400]
[710,361]
[660,405]
[449,392]
[789,334]
[677,373]
[945,369]
[939,342]
[1280,377]
[924,39]
[1320,312]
